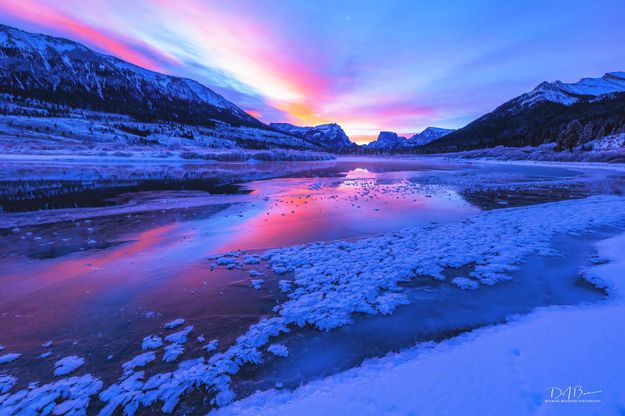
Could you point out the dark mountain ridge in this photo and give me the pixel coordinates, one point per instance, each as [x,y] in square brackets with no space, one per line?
[64,72]
[541,115]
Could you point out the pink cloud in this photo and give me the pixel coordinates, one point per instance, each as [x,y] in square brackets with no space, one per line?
[254,113]
[50,18]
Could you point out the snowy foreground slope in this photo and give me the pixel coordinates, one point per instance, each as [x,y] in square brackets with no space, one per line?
[498,370]
[520,368]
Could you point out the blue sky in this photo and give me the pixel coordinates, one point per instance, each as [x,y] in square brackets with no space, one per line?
[368,65]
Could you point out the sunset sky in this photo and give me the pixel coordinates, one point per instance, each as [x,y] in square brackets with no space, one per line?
[367,65]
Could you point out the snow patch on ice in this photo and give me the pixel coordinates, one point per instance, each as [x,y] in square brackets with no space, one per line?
[174,324]
[68,396]
[179,337]
[251,259]
[284,285]
[464,283]
[226,261]
[151,342]
[211,346]
[257,283]
[7,358]
[140,360]
[67,365]
[6,383]
[279,350]
[172,352]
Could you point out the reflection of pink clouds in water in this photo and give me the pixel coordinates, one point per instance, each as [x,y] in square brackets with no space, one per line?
[344,208]
[288,220]
[161,266]
[42,274]
[46,292]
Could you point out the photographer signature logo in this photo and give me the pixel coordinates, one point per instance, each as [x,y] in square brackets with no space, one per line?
[572,394]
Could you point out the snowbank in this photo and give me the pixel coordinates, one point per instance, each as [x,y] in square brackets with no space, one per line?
[607,149]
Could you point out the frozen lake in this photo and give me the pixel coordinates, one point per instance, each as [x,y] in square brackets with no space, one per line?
[95,279]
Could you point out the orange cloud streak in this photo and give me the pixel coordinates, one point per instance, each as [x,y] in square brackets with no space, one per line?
[254,113]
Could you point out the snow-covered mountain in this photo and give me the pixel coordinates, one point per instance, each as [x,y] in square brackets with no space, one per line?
[291,128]
[540,115]
[387,140]
[426,136]
[327,136]
[569,94]
[64,72]
[390,140]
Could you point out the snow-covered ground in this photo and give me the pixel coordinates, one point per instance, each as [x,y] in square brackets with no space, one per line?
[27,129]
[608,149]
[612,142]
[556,361]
